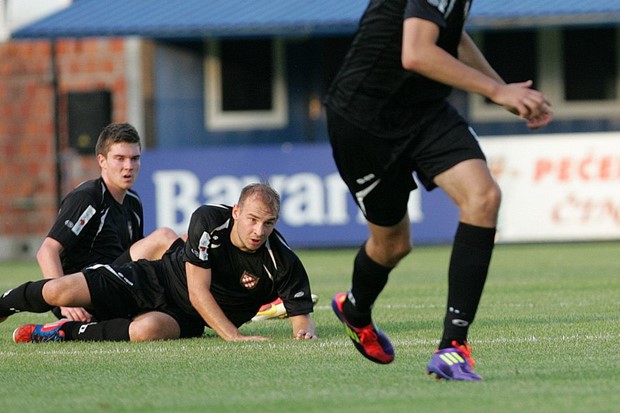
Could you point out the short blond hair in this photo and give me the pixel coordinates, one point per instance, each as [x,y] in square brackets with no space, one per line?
[264,192]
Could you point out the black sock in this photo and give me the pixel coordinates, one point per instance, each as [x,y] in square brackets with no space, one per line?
[469,265]
[26,297]
[369,279]
[109,330]
[58,313]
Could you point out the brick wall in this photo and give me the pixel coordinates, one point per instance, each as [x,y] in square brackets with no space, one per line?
[28,160]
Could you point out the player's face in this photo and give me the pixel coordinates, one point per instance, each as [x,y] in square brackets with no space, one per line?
[120,168]
[254,222]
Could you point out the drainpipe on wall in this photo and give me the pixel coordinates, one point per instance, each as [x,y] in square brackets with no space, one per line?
[56,115]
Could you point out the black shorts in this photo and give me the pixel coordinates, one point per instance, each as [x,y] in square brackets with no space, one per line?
[379,171]
[128,290]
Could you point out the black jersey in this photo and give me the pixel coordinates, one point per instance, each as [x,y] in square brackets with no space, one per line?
[372,89]
[241,282]
[93,228]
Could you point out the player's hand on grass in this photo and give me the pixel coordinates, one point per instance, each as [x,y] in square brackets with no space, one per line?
[305,335]
[76,314]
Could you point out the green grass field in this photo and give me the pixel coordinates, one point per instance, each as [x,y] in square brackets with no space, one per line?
[546,340]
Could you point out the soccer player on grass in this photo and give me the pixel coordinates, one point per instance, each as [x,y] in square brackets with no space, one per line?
[101,221]
[233,262]
[388,117]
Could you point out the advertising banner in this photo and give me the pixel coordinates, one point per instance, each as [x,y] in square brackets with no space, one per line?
[563,187]
[317,209]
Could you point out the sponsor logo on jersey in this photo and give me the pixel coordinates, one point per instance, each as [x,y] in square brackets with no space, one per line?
[83,220]
[203,246]
[248,280]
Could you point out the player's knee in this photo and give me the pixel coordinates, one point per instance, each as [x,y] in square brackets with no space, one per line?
[492,199]
[400,250]
[153,328]
[51,291]
[389,252]
[57,292]
[144,332]
[484,205]
[165,236]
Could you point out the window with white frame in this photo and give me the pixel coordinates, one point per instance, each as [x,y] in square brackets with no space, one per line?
[577,68]
[245,85]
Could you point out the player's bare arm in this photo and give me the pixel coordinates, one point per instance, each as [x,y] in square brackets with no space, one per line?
[470,73]
[471,55]
[421,54]
[303,327]
[48,258]
[532,101]
[198,286]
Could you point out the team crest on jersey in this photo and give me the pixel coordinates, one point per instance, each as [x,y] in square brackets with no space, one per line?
[248,280]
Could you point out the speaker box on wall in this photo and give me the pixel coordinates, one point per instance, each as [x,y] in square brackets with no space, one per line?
[88,113]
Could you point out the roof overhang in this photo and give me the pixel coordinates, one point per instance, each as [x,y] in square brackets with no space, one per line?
[491,14]
[196,19]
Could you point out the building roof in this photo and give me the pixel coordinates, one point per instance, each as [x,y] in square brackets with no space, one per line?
[184,19]
[535,13]
[174,19]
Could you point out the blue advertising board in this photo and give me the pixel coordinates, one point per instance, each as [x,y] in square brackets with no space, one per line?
[317,209]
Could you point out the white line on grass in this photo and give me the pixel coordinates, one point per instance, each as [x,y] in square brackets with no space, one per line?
[137,348]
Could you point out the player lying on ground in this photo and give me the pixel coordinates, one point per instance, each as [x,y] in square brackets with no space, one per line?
[233,262]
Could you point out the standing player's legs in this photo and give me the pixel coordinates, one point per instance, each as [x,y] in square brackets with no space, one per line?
[384,248]
[477,196]
[372,169]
